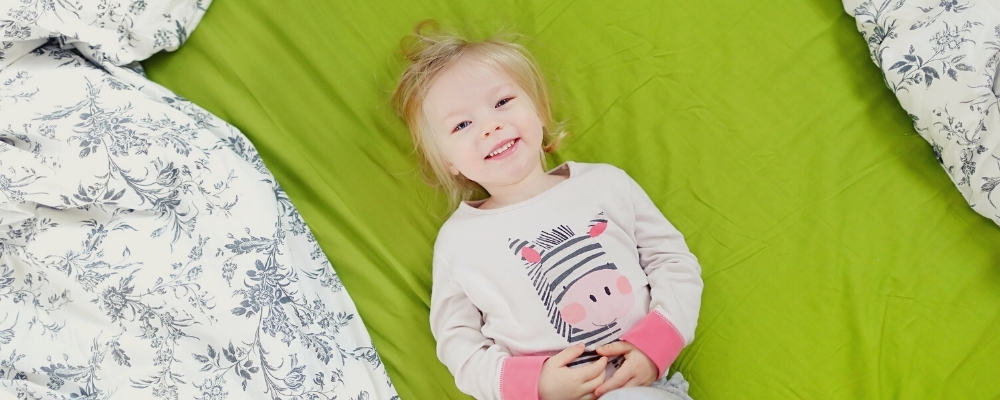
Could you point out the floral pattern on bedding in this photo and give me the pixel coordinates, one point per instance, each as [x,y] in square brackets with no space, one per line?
[941,59]
[118,32]
[146,252]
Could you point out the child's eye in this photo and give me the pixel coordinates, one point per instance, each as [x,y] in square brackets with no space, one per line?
[503,101]
[460,126]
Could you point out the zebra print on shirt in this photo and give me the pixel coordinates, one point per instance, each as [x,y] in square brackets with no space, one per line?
[577,282]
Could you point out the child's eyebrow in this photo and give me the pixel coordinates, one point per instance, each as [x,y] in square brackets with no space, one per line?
[494,92]
[506,87]
[453,115]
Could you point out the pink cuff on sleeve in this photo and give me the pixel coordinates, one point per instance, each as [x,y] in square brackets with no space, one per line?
[519,377]
[658,339]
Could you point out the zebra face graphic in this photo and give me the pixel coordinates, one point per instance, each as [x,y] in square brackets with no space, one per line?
[596,300]
[582,290]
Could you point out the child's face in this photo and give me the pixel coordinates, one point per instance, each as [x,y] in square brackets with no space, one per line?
[484,124]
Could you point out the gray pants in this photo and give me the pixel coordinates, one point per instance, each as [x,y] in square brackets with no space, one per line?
[674,388]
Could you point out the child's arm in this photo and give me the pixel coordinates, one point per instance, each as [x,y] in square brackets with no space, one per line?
[482,368]
[674,280]
[487,370]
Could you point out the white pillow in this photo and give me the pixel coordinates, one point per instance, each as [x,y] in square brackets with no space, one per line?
[116,32]
[941,60]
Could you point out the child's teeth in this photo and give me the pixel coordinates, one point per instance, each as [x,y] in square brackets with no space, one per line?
[502,149]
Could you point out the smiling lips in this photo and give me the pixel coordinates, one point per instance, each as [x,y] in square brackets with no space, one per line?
[502,149]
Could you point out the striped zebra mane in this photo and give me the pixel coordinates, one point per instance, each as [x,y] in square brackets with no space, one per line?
[545,263]
[555,237]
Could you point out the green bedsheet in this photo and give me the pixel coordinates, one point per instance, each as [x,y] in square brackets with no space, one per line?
[839,261]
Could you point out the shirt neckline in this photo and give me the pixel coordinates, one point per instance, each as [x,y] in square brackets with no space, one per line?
[470,206]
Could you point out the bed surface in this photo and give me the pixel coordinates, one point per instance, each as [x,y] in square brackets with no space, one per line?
[838,259]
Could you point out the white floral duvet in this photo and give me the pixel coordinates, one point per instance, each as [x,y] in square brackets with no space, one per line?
[145,250]
[941,58]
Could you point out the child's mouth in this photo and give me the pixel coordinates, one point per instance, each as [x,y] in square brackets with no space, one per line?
[503,150]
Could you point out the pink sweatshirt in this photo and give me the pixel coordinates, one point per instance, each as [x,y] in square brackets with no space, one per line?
[590,260]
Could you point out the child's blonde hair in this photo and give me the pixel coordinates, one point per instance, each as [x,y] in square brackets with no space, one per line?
[430,53]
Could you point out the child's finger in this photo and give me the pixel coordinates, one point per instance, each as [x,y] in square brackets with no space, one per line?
[594,369]
[590,385]
[634,382]
[568,355]
[617,380]
[614,348]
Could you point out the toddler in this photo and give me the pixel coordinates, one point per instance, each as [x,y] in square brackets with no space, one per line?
[559,284]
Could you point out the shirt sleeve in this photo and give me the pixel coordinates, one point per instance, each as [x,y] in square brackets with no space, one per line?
[482,368]
[675,283]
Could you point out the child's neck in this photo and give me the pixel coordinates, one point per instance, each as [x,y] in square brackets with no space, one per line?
[531,187]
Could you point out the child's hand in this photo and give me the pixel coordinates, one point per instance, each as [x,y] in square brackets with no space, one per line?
[558,382]
[637,370]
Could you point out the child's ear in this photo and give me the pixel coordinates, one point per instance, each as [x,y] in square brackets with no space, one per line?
[453,170]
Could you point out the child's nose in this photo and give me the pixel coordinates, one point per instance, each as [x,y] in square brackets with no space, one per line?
[496,128]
